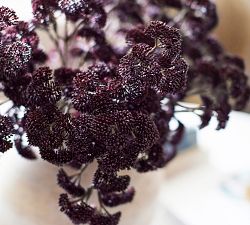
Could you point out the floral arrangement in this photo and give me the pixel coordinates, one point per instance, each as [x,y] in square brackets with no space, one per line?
[107,89]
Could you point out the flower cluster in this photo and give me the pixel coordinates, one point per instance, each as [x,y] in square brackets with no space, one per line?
[8,17]
[5,133]
[81,213]
[212,71]
[107,102]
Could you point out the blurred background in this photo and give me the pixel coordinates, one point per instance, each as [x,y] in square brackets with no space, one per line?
[209,181]
[233,30]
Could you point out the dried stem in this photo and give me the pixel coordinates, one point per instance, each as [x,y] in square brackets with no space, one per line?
[180,16]
[70,36]
[82,60]
[56,42]
[66,40]
[190,108]
[102,205]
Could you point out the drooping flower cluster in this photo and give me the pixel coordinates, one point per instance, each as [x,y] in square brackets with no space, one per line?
[106,102]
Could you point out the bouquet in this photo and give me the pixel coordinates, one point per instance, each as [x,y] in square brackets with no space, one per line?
[107,89]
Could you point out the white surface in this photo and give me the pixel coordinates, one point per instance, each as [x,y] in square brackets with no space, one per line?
[29,194]
[195,197]
[229,149]
[21,7]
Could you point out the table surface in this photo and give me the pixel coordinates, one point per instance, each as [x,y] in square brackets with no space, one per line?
[190,193]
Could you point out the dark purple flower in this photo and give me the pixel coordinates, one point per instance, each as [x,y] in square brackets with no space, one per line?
[100,219]
[64,76]
[7,17]
[108,103]
[65,182]
[6,130]
[43,10]
[13,58]
[42,90]
[51,123]
[24,151]
[129,11]
[77,212]
[110,182]
[115,199]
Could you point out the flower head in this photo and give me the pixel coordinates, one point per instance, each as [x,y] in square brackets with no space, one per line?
[7,17]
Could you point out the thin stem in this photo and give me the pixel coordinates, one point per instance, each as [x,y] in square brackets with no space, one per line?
[81,172]
[178,18]
[77,200]
[66,40]
[55,41]
[74,179]
[112,8]
[62,54]
[88,193]
[189,108]
[152,49]
[55,26]
[185,111]
[102,205]
[70,36]
[82,61]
